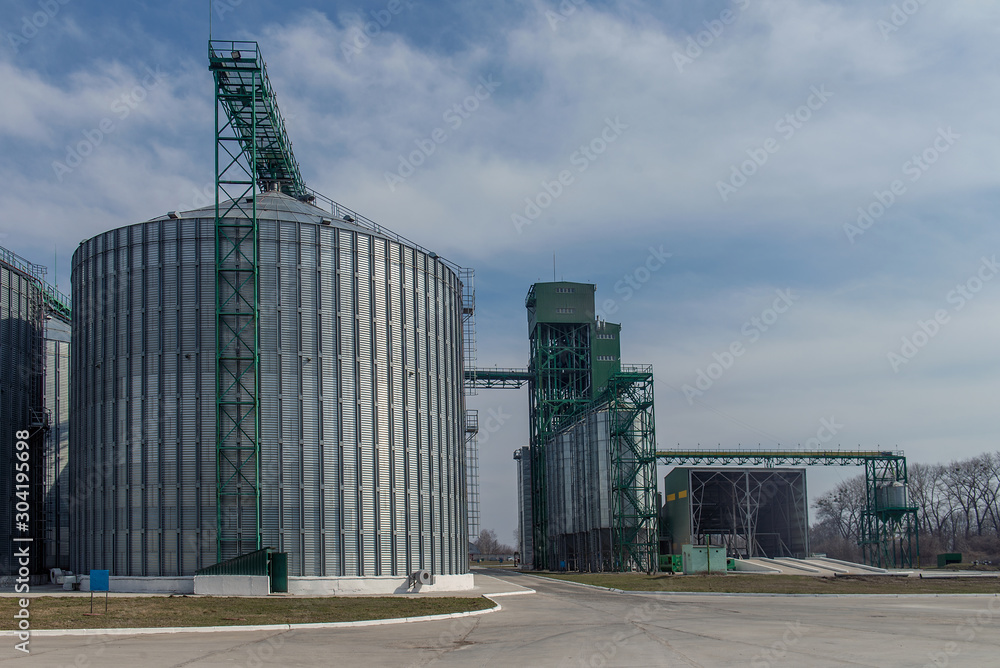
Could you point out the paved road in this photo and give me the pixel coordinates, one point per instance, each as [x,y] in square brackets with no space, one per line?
[568,625]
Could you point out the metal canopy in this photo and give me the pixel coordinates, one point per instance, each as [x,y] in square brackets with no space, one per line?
[889,529]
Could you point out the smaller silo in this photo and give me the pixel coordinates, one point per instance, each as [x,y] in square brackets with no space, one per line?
[55,439]
[21,414]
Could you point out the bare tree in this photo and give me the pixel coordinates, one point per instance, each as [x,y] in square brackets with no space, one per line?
[927,492]
[958,509]
[487,542]
[839,513]
[842,507]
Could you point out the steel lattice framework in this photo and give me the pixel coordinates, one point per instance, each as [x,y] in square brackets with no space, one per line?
[488,379]
[559,378]
[252,152]
[471,494]
[53,300]
[634,526]
[726,507]
[253,127]
[889,529]
[559,388]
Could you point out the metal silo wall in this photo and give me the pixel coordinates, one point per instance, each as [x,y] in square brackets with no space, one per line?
[579,489]
[361,395]
[142,474]
[361,378]
[56,442]
[21,322]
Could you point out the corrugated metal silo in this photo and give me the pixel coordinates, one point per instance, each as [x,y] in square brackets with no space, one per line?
[362,444]
[579,484]
[21,323]
[55,389]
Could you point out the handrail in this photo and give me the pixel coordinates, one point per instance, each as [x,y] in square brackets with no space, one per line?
[351,216]
[54,299]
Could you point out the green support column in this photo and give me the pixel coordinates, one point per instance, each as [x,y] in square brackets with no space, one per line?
[889,531]
[634,515]
[560,387]
[239,82]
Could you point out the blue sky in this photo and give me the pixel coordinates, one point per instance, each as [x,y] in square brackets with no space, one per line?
[740,137]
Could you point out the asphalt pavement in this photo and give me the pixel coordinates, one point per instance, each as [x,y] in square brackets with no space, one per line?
[563,624]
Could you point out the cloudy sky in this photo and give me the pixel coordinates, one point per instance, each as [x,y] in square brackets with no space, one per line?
[821,175]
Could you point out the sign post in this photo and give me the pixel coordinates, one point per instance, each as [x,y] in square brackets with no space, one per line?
[100,581]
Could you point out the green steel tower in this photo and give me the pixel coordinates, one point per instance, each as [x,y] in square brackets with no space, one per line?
[575,366]
[252,153]
[559,331]
[635,527]
[889,524]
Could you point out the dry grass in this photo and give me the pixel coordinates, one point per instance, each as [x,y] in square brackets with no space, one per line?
[782,584]
[493,564]
[70,612]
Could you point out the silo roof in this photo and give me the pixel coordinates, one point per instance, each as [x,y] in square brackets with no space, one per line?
[271,205]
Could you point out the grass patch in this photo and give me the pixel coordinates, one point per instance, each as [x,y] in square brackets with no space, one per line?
[485,563]
[781,584]
[68,612]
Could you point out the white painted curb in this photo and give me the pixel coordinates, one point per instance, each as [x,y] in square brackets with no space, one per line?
[263,627]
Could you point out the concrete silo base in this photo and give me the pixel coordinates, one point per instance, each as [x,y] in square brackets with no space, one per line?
[385,584]
[146,585]
[301,586]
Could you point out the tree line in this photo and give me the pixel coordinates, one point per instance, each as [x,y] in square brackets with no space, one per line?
[958,510]
[490,546]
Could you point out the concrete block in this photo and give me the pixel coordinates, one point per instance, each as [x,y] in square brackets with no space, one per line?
[384,584]
[145,585]
[232,585]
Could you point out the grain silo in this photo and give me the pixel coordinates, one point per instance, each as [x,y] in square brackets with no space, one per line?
[21,321]
[362,470]
[33,387]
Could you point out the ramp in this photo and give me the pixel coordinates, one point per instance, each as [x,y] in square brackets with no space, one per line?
[849,568]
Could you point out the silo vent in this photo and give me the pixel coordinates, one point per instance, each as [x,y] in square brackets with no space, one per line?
[422,577]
